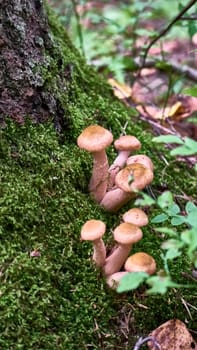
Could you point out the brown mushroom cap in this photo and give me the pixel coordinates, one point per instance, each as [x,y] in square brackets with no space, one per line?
[136,216]
[140,175]
[127,233]
[127,143]
[140,262]
[141,159]
[94,138]
[93,230]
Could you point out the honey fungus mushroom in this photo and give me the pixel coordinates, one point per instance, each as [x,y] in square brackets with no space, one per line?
[140,262]
[125,144]
[136,216]
[141,159]
[93,230]
[125,235]
[128,181]
[95,139]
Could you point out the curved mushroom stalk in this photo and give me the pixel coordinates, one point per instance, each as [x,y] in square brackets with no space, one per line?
[124,145]
[116,260]
[99,178]
[95,139]
[125,235]
[115,199]
[93,230]
[99,252]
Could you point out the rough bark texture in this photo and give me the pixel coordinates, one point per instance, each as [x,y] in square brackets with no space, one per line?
[25,48]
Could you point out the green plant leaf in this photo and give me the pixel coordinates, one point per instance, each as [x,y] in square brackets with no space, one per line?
[190,238]
[190,143]
[131,281]
[173,210]
[160,285]
[172,243]
[182,151]
[168,139]
[178,220]
[190,206]
[168,231]
[165,200]
[191,91]
[191,219]
[146,200]
[172,254]
[159,218]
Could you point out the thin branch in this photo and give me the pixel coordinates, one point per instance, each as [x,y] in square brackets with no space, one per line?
[176,67]
[166,29]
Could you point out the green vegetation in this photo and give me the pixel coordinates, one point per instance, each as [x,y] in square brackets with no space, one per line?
[59,300]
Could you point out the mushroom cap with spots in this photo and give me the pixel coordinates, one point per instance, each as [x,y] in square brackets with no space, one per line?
[133,177]
[127,143]
[136,216]
[127,233]
[94,138]
[140,262]
[93,230]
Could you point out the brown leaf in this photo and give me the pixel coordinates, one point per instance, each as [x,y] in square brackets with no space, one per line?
[173,335]
[121,91]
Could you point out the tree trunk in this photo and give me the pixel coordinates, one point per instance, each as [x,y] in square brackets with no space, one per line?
[28,53]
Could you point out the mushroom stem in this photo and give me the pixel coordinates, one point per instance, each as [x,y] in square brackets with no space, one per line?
[115,199]
[126,235]
[99,178]
[125,144]
[116,260]
[93,230]
[99,252]
[117,165]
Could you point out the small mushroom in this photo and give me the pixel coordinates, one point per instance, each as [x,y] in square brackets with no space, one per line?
[114,279]
[124,145]
[134,177]
[140,262]
[129,180]
[93,230]
[125,235]
[136,216]
[95,139]
[141,159]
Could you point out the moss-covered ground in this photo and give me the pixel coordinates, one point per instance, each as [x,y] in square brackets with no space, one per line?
[59,300]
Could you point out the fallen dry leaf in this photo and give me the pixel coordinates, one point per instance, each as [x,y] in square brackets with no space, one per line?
[158,113]
[121,91]
[173,335]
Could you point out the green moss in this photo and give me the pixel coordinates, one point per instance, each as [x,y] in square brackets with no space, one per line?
[59,300]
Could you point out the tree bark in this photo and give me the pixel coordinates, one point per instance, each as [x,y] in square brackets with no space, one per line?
[26,52]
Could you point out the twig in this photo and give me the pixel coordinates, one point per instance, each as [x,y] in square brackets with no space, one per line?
[141,341]
[189,18]
[189,72]
[158,126]
[187,308]
[166,29]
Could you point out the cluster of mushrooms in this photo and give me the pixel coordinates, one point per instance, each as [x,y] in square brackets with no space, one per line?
[126,234]
[112,187]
